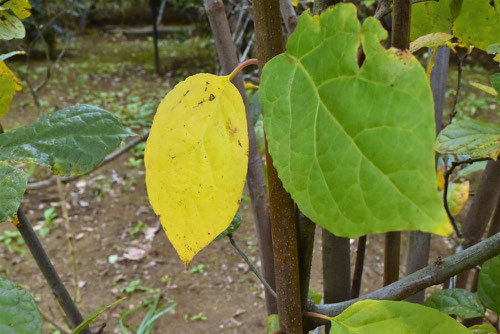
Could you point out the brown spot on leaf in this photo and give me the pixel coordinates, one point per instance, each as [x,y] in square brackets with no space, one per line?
[186,92]
[212,97]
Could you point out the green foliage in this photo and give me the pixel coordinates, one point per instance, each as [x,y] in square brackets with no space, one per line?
[235,224]
[49,216]
[383,316]
[18,312]
[488,288]
[273,323]
[473,21]
[459,302]
[476,138]
[71,141]
[13,240]
[483,329]
[12,186]
[93,317]
[353,146]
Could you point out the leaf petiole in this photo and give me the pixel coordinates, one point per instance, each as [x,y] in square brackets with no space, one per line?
[241,66]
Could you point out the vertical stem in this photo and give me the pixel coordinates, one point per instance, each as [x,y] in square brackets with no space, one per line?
[358,268]
[154,16]
[400,40]
[391,257]
[305,250]
[289,16]
[255,176]
[487,196]
[49,272]
[336,268]
[419,242]
[268,34]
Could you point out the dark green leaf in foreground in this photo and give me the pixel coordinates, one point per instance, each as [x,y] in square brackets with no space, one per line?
[70,141]
[488,288]
[353,146]
[384,316]
[460,302]
[18,312]
[476,138]
[12,186]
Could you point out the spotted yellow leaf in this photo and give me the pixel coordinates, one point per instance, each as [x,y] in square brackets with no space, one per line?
[196,161]
[430,41]
[458,194]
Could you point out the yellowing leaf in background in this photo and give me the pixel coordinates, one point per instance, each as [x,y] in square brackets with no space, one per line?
[196,161]
[19,7]
[458,194]
[8,85]
[440,177]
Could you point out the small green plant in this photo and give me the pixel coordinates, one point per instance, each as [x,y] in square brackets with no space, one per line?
[13,241]
[135,285]
[50,216]
[198,269]
[139,227]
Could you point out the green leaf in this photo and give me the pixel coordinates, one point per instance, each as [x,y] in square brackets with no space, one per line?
[10,26]
[487,89]
[383,316]
[18,311]
[353,146]
[473,21]
[476,138]
[273,323]
[460,302]
[488,288]
[483,329]
[71,141]
[235,224]
[493,48]
[12,186]
[495,81]
[91,318]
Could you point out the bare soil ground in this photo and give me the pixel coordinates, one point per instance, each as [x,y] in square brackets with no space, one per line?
[222,295]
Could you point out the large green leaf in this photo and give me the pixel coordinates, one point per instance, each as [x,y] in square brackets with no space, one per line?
[483,329]
[71,141]
[488,288]
[460,302]
[12,186]
[473,21]
[383,316]
[18,312]
[10,26]
[476,138]
[353,146]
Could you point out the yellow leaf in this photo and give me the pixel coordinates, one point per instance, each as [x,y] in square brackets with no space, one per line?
[19,7]
[295,3]
[8,85]
[196,161]
[440,177]
[249,85]
[430,41]
[458,194]
[487,89]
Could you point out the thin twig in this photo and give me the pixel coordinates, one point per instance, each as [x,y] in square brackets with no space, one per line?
[54,323]
[52,180]
[69,238]
[459,84]
[252,267]
[447,175]
[385,7]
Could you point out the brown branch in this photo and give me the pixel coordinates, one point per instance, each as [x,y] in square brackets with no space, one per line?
[226,51]
[268,36]
[433,274]
[453,111]
[305,241]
